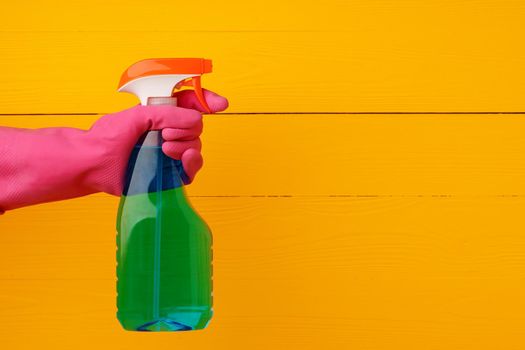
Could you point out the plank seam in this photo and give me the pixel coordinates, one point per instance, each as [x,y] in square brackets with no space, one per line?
[292,113]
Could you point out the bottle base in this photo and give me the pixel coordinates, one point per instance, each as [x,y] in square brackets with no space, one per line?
[163,325]
[175,321]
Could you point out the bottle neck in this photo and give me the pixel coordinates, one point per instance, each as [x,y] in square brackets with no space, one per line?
[156,137]
[162,100]
[149,169]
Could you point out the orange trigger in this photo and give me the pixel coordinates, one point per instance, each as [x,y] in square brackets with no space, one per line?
[198,92]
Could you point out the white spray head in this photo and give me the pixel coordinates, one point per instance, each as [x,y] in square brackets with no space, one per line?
[154,86]
[158,77]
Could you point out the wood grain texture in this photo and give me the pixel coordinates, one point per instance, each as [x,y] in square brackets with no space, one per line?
[259,15]
[330,231]
[365,273]
[359,155]
[412,62]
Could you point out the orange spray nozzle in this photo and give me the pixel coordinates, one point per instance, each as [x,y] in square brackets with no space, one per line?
[158,77]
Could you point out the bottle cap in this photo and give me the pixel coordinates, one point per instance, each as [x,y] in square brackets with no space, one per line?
[162,100]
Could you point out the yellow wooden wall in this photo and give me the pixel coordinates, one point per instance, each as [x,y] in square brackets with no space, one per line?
[366,187]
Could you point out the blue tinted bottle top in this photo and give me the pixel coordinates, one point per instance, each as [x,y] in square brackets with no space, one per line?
[150,170]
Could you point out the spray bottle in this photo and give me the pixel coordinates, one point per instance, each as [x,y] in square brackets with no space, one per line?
[164,271]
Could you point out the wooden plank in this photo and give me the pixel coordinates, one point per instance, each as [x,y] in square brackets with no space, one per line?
[472,65]
[258,15]
[358,155]
[309,272]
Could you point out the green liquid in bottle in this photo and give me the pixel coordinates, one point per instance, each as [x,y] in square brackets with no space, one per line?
[164,249]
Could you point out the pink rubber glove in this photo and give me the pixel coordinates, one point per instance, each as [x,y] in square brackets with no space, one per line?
[51,164]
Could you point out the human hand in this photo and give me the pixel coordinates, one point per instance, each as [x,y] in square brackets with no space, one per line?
[113,136]
[51,164]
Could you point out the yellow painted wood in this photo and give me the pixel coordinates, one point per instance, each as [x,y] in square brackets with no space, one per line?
[277,56]
[350,154]
[257,15]
[331,231]
[309,273]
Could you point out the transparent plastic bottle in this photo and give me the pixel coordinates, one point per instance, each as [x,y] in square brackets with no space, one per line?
[164,248]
